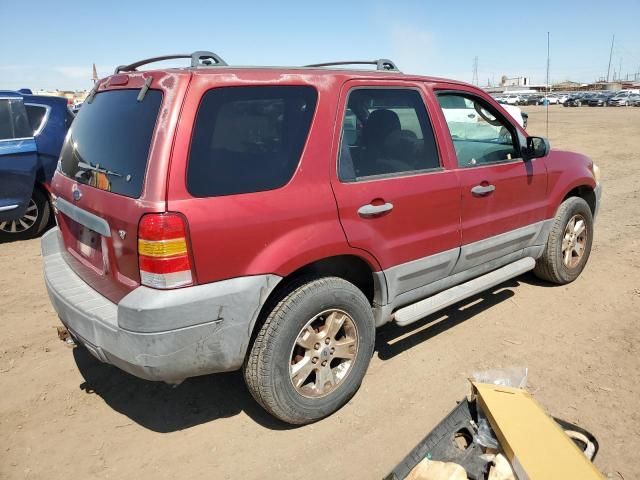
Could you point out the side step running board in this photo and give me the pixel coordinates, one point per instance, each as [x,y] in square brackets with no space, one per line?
[416,311]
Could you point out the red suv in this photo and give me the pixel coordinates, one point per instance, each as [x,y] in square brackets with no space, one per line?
[214,218]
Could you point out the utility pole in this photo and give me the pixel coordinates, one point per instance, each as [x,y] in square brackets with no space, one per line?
[610,55]
[475,71]
[547,96]
[620,70]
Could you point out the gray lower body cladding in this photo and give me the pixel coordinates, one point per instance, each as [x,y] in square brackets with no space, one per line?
[158,335]
[447,269]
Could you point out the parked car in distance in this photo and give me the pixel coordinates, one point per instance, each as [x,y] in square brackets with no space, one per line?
[32,130]
[620,99]
[573,100]
[551,99]
[534,99]
[75,106]
[214,218]
[634,100]
[512,99]
[562,97]
[599,100]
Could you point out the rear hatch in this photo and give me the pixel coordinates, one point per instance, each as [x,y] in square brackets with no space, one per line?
[112,171]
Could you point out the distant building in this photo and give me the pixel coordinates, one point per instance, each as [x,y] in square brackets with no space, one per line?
[567,86]
[514,82]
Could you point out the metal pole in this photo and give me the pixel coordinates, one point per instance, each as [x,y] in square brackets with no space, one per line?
[547,102]
[620,70]
[610,55]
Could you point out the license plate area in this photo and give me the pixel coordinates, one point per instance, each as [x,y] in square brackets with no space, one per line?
[86,245]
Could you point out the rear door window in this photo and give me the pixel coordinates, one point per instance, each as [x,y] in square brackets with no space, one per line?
[385,131]
[108,144]
[248,139]
[36,115]
[13,120]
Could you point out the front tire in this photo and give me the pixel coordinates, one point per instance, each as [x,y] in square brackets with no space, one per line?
[32,223]
[312,352]
[569,243]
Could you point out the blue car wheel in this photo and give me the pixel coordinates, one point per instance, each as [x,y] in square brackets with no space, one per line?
[32,223]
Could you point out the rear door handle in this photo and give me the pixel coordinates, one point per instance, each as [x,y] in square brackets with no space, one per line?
[369,210]
[483,189]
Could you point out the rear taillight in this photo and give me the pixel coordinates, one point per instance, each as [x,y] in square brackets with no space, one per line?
[163,251]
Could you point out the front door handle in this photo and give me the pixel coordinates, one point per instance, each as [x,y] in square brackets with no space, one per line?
[368,211]
[483,189]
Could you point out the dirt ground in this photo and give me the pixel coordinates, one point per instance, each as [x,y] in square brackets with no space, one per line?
[63,414]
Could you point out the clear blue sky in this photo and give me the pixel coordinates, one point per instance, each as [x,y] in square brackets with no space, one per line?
[52,44]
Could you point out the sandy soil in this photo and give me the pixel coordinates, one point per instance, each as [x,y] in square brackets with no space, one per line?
[64,414]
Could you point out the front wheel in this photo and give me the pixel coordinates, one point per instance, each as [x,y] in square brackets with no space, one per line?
[312,352]
[569,243]
[34,220]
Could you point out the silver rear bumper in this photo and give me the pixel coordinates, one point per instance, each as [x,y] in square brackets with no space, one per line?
[155,334]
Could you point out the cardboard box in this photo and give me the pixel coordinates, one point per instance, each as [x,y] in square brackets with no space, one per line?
[534,443]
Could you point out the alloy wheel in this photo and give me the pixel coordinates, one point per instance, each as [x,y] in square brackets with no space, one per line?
[324,353]
[23,223]
[574,241]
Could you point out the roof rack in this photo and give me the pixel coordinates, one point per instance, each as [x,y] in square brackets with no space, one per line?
[201,57]
[381,64]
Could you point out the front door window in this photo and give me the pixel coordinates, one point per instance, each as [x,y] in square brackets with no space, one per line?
[479,136]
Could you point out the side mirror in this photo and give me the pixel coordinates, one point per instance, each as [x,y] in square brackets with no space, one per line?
[536,147]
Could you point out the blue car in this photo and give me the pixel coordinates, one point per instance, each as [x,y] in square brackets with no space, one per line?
[32,130]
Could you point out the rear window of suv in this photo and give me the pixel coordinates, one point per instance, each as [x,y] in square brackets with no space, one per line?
[248,139]
[108,144]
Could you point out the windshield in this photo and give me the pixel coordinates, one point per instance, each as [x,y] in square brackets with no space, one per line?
[108,144]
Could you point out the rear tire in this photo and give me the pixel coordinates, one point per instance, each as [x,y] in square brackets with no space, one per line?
[32,223]
[287,367]
[569,243]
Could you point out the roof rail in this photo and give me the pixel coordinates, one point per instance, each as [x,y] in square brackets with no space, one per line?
[381,64]
[201,57]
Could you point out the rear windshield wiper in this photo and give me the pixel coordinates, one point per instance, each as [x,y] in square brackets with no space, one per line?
[87,166]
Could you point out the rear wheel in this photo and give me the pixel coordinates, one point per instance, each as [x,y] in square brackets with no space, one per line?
[312,352]
[569,243]
[32,223]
